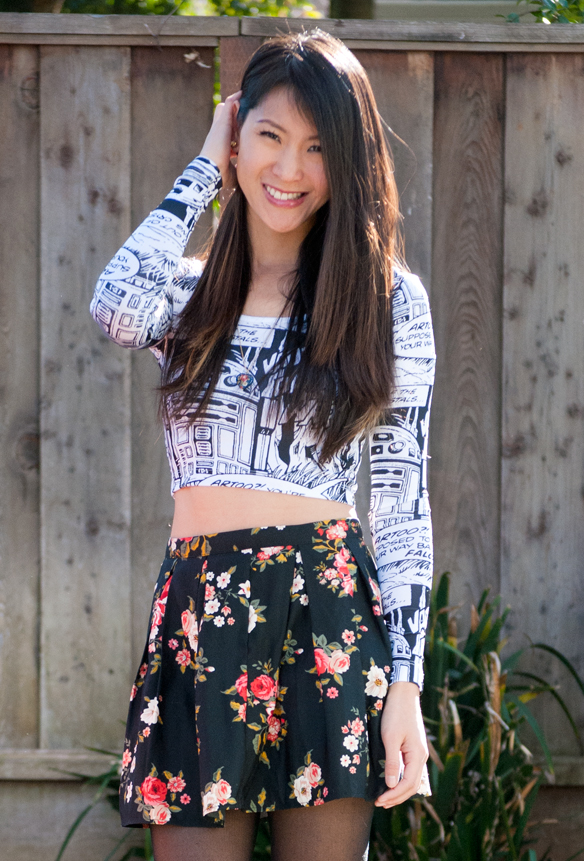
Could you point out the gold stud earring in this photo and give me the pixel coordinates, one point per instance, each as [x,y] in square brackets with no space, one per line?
[233,144]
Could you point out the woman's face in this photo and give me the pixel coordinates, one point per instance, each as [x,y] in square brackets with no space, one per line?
[280,167]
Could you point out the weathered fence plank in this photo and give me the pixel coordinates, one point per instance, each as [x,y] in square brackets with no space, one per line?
[466,305]
[424,31]
[542,558]
[85,409]
[172,104]
[118,25]
[19,521]
[403,84]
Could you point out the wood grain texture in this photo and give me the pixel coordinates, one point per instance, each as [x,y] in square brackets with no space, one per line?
[403,84]
[37,817]
[466,309]
[234,53]
[143,39]
[85,406]
[19,440]
[463,47]
[52,765]
[542,552]
[109,25]
[422,31]
[172,105]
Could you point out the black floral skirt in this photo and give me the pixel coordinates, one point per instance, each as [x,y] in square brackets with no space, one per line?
[263,678]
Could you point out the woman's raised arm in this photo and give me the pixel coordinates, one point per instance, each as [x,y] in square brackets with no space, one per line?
[148,282]
[142,289]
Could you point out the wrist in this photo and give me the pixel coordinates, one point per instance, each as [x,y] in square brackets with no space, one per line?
[404,689]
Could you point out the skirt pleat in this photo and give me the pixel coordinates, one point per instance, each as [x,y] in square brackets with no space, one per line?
[263,677]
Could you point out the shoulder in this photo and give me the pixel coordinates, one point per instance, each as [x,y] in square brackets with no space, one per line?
[409,294]
[412,321]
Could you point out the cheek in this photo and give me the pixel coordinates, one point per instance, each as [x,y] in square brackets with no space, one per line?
[247,166]
[321,184]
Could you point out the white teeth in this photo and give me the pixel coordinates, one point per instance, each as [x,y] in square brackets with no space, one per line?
[283,195]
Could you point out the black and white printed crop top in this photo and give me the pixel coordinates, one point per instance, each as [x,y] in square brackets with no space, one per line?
[239,443]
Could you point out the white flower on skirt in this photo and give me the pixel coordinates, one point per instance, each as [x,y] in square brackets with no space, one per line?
[160,814]
[302,790]
[223,580]
[150,714]
[210,802]
[245,589]
[376,682]
[351,743]
[297,584]
[129,790]
[253,617]
[211,606]
[304,600]
[219,621]
[345,760]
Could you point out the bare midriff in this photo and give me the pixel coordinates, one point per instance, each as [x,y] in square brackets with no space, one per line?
[207,510]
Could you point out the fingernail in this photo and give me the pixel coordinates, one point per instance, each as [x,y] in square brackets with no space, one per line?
[392,781]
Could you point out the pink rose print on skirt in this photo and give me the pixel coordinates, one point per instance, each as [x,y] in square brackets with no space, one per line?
[322,661]
[337,530]
[263,688]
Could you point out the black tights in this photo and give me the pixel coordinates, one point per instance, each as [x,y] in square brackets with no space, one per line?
[336,830]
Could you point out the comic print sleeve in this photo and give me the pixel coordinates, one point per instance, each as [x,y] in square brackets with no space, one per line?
[148,282]
[400,511]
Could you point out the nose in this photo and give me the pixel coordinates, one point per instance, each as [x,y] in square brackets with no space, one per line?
[288,165]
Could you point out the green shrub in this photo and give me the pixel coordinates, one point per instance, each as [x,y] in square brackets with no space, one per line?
[484,780]
[550,11]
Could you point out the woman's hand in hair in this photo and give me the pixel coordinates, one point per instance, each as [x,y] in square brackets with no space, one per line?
[404,739]
[223,132]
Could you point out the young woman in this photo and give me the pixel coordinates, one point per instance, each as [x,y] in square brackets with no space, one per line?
[282,670]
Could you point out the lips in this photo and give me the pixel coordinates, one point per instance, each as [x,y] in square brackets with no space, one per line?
[283,198]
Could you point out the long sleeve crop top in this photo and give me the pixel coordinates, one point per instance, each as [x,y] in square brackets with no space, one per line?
[241,442]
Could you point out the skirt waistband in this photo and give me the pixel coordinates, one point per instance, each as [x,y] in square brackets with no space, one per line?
[260,537]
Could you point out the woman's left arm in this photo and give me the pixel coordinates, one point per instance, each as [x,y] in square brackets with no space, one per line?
[402,533]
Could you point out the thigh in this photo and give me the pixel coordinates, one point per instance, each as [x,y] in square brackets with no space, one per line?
[233,842]
[337,829]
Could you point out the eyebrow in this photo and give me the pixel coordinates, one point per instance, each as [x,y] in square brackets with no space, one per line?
[282,129]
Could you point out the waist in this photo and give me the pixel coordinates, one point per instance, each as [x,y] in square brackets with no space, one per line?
[269,539]
[205,510]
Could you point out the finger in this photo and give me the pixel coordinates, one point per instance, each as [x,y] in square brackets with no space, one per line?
[409,783]
[393,764]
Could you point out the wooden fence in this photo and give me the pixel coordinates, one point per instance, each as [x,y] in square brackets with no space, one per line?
[97,117]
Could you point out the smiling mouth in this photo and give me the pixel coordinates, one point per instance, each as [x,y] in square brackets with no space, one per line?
[284,195]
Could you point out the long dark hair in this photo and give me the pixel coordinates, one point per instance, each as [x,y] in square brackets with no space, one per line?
[341,299]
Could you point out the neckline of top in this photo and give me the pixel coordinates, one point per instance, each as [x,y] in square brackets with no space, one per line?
[253,317]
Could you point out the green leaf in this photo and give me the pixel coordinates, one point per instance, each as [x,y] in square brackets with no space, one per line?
[547,688]
[563,660]
[111,854]
[521,825]
[505,818]
[443,644]
[529,717]
[75,826]
[448,785]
